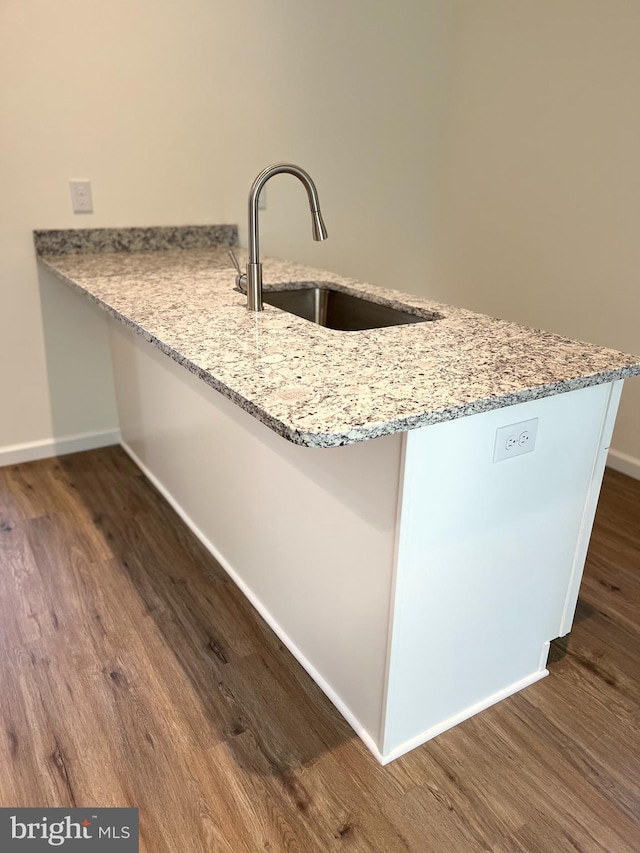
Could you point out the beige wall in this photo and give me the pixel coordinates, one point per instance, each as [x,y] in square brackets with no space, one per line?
[481,153]
[355,92]
[128,95]
[539,196]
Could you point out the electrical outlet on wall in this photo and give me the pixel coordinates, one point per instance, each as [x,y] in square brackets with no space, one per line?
[515,439]
[81,200]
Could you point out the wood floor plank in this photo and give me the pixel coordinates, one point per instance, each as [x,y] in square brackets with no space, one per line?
[614,588]
[133,672]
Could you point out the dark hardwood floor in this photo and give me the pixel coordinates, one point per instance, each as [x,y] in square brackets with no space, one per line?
[133,673]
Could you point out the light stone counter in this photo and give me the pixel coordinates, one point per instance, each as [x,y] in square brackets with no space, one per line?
[320,387]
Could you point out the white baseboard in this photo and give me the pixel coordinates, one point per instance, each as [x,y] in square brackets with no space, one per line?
[29,451]
[462,716]
[262,610]
[624,463]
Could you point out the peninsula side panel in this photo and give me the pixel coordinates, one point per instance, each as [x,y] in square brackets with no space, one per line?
[489,557]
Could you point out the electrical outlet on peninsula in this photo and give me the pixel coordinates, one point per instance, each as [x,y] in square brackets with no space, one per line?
[515,439]
[81,200]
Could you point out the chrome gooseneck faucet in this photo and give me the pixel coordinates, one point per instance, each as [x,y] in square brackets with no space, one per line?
[251,281]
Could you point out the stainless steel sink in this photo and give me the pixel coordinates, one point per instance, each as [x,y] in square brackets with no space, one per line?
[336,310]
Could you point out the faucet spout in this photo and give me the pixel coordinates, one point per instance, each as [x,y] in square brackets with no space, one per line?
[319,231]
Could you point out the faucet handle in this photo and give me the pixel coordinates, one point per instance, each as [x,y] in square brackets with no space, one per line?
[241,278]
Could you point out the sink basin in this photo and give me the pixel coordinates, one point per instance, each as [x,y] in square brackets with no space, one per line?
[336,310]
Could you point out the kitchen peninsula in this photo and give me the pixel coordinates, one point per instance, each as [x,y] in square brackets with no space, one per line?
[355,485]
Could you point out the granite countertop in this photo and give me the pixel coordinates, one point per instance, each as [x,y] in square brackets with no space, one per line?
[315,386]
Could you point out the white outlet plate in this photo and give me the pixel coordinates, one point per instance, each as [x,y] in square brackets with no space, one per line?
[81,196]
[515,439]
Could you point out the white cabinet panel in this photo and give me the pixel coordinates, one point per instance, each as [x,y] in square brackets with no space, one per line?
[486,556]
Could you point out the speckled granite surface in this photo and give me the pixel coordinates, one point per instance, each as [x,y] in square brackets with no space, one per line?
[61,242]
[320,387]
